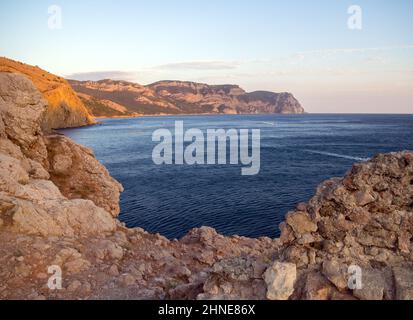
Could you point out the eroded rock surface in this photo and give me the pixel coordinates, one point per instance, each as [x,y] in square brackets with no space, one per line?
[78,175]
[364,219]
[64,108]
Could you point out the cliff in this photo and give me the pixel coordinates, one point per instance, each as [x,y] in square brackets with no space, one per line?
[64,108]
[58,207]
[121,98]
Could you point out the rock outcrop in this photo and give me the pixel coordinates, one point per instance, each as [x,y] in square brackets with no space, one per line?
[31,202]
[280,279]
[365,221]
[78,175]
[64,108]
[353,240]
[58,205]
[121,98]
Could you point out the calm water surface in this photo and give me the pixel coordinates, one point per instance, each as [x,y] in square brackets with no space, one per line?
[297,153]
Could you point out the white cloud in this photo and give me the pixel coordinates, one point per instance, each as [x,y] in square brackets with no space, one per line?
[101,75]
[200,65]
[356,50]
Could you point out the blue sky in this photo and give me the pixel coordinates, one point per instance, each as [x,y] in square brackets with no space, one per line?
[301,46]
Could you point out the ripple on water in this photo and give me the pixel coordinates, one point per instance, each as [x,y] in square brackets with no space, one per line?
[172,200]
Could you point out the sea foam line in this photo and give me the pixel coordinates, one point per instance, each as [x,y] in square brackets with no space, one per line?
[336,155]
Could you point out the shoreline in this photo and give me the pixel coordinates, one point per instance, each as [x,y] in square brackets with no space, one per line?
[197,114]
[248,114]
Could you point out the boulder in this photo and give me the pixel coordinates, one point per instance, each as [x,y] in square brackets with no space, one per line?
[280,279]
[317,287]
[301,223]
[335,271]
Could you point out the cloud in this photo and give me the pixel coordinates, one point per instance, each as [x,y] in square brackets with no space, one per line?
[376,60]
[100,75]
[356,50]
[200,65]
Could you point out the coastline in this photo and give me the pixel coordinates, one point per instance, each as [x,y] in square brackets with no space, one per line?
[191,114]
[246,114]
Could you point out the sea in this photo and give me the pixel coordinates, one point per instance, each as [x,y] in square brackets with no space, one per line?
[298,152]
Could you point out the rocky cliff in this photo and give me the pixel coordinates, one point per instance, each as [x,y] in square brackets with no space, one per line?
[58,206]
[64,108]
[117,98]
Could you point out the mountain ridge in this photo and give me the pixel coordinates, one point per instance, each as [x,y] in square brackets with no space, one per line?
[64,109]
[180,97]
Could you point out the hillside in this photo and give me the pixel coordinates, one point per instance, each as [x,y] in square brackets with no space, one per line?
[121,98]
[65,109]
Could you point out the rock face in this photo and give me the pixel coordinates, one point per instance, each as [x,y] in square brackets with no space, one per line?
[29,162]
[363,220]
[78,175]
[64,108]
[121,98]
[280,280]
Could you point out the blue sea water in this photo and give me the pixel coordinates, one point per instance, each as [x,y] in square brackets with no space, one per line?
[297,153]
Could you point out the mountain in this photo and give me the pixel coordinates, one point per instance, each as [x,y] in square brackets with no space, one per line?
[64,109]
[122,98]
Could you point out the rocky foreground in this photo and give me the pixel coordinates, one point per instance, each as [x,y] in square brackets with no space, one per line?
[58,207]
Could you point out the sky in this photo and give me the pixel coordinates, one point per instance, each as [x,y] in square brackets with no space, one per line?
[299,46]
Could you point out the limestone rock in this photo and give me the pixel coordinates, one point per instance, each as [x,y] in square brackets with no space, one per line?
[365,219]
[79,175]
[335,272]
[109,250]
[64,108]
[59,217]
[22,107]
[77,266]
[235,278]
[280,279]
[317,287]
[301,223]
